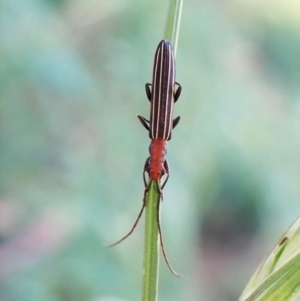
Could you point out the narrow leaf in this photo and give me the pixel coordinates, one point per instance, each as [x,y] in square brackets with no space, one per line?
[278,276]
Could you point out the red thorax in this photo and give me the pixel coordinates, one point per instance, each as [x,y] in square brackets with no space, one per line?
[158,150]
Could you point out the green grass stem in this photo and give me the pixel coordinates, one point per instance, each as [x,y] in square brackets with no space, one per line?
[151,251]
[173,22]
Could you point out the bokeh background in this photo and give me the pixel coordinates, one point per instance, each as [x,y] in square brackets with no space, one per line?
[72,150]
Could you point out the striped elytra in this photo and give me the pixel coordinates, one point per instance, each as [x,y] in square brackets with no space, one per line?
[162,94]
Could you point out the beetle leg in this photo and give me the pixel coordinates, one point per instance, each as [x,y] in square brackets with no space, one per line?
[176,121]
[148,91]
[178,91]
[144,122]
[146,169]
[167,171]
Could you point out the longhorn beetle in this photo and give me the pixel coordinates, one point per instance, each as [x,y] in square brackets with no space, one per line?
[162,97]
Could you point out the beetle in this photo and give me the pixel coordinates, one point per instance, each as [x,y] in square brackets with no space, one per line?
[162,94]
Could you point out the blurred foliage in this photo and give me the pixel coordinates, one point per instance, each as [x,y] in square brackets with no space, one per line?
[72,150]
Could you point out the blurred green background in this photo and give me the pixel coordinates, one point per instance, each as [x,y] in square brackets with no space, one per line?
[72,149]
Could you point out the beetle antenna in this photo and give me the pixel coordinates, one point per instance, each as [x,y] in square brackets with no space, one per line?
[162,244]
[131,230]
